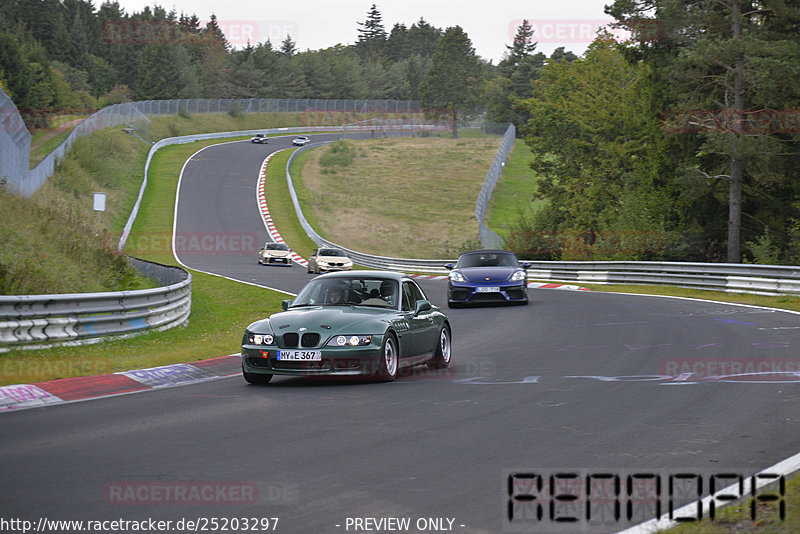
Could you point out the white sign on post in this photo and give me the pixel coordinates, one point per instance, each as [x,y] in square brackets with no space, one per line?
[99,202]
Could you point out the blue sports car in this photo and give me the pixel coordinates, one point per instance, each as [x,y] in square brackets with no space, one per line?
[487,276]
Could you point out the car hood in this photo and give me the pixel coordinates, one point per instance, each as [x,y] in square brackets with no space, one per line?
[327,320]
[278,253]
[487,274]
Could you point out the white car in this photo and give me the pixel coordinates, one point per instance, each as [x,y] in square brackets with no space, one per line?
[259,138]
[328,260]
[275,254]
[301,141]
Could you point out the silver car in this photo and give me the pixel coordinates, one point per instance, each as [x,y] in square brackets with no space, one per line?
[301,141]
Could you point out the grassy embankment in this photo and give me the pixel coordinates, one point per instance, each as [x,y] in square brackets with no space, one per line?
[376,196]
[513,194]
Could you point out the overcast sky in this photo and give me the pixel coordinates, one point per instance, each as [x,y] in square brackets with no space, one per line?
[315,24]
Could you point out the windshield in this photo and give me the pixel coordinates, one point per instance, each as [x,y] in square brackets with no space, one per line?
[488,259]
[376,292]
[277,246]
[332,252]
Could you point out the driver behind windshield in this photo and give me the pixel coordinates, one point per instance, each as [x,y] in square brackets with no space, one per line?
[335,295]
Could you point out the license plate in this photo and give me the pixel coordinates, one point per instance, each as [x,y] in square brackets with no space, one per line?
[488,289]
[300,355]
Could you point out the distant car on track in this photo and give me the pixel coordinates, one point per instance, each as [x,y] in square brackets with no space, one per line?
[275,254]
[260,138]
[362,323]
[301,141]
[325,260]
[487,276]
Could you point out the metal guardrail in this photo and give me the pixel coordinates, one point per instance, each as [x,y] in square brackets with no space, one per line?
[34,321]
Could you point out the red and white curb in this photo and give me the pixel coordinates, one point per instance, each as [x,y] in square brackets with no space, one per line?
[63,390]
[261,199]
[539,285]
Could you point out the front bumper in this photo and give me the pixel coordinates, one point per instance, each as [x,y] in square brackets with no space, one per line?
[332,268]
[283,262]
[471,292]
[336,361]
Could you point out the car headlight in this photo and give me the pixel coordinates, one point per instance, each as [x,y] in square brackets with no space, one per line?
[352,341]
[260,339]
[519,276]
[456,276]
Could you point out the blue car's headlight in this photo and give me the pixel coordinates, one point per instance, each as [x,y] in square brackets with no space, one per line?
[519,276]
[456,276]
[260,339]
[352,341]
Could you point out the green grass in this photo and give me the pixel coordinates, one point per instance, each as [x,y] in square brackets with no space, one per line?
[40,151]
[53,242]
[514,191]
[376,203]
[737,518]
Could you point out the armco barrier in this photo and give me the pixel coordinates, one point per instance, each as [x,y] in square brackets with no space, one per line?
[33,321]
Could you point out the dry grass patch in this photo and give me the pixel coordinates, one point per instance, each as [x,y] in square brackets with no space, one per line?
[403,197]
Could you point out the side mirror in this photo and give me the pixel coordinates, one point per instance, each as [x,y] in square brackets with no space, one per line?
[285,304]
[526,265]
[421,306]
[448,266]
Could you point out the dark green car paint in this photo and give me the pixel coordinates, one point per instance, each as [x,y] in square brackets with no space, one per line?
[417,332]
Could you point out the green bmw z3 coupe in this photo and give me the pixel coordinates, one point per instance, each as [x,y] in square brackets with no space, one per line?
[358,323]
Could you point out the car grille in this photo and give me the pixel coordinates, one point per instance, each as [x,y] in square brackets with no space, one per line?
[301,366]
[309,339]
[257,362]
[515,293]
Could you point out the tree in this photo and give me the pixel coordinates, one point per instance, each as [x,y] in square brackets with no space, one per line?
[165,72]
[454,82]
[288,46]
[423,38]
[594,146]
[397,43]
[514,75]
[371,36]
[522,46]
[723,62]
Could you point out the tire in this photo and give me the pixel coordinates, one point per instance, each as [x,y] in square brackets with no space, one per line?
[390,359]
[252,378]
[443,355]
